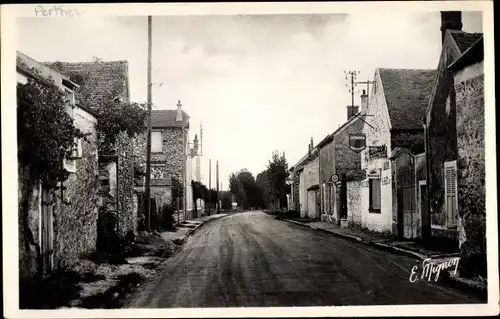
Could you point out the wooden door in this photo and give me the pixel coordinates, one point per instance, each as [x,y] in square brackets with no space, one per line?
[407,204]
[46,216]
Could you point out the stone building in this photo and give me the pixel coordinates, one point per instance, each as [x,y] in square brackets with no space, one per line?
[63,222]
[452,108]
[171,158]
[393,120]
[336,158]
[98,81]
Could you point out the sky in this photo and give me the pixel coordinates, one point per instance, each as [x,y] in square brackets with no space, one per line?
[258,83]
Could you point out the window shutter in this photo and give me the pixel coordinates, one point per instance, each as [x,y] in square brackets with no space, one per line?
[377,194]
[450,176]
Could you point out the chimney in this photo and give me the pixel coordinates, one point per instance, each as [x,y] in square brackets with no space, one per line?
[196,143]
[351,111]
[179,112]
[450,20]
[364,101]
[311,146]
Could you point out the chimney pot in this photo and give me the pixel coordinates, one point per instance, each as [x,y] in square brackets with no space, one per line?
[179,111]
[364,101]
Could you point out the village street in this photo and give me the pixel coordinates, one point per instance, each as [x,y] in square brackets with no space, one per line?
[251,259]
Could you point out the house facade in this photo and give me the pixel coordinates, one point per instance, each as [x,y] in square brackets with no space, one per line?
[63,222]
[171,160]
[99,81]
[450,95]
[393,120]
[337,159]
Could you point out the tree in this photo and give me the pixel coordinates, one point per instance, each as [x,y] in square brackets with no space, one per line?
[198,192]
[277,172]
[226,202]
[264,188]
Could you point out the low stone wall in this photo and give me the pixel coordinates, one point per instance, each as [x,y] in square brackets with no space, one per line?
[354,213]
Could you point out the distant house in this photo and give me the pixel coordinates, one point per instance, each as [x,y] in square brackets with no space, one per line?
[336,158]
[63,222]
[172,159]
[305,188]
[99,80]
[393,120]
[455,121]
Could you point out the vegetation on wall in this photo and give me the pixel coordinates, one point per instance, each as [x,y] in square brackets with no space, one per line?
[46,136]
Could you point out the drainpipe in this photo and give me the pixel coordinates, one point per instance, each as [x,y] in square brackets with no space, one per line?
[426,230]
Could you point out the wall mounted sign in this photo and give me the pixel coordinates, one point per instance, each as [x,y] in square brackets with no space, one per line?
[373,174]
[334,178]
[357,142]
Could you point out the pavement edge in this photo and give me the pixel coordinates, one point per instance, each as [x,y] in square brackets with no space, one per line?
[449,280]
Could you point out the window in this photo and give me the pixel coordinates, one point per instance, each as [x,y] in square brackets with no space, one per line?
[450,189]
[156,142]
[374,188]
[76,153]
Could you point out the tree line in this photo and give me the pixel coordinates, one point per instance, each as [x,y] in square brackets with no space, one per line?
[267,190]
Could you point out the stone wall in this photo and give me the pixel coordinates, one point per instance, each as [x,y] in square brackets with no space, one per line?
[75,221]
[441,120]
[347,161]
[127,217]
[354,203]
[469,86]
[172,153]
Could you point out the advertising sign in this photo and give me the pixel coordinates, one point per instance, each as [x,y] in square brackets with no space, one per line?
[357,142]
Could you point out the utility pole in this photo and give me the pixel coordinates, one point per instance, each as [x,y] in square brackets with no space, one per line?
[148,147]
[209,185]
[217,180]
[351,75]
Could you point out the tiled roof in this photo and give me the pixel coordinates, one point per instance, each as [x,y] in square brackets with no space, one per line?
[407,92]
[97,79]
[168,118]
[465,40]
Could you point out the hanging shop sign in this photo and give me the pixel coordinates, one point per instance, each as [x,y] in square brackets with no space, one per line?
[357,142]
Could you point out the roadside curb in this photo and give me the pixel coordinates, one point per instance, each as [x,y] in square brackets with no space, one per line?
[450,281]
[190,232]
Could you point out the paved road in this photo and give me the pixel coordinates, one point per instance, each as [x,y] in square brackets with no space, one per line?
[252,260]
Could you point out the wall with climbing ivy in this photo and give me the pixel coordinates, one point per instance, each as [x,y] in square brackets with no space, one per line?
[75,211]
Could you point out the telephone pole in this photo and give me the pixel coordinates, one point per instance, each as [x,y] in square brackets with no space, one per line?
[351,75]
[217,180]
[148,147]
[209,185]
